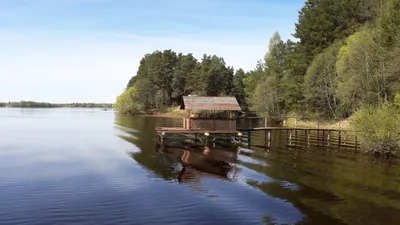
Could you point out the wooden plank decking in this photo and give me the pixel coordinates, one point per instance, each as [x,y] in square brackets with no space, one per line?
[181,130]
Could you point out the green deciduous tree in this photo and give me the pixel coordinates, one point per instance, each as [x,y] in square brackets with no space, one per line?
[127,102]
[361,70]
[321,80]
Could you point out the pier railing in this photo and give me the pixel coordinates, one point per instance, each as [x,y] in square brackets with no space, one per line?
[211,124]
[308,122]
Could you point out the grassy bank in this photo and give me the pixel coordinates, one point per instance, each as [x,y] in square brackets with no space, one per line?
[318,123]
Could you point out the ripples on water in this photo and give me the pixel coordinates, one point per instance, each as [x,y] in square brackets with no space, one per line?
[86,166]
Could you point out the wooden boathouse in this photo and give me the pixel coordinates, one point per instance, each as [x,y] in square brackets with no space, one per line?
[206,115]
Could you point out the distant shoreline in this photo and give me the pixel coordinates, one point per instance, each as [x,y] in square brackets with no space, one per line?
[32,104]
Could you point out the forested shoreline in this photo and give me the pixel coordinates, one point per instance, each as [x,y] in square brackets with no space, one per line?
[345,60]
[32,104]
[346,57]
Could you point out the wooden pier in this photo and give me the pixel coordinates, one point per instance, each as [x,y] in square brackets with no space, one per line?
[214,116]
[326,133]
[181,130]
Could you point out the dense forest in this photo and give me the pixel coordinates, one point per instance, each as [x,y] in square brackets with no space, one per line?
[346,56]
[31,104]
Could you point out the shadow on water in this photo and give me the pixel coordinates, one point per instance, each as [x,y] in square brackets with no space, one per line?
[325,182]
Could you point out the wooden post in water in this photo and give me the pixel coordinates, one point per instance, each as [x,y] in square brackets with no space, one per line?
[287,135]
[344,137]
[305,135]
[249,137]
[269,136]
[323,136]
[265,137]
[265,121]
[355,140]
[340,137]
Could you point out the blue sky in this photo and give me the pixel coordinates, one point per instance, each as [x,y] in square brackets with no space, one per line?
[86,50]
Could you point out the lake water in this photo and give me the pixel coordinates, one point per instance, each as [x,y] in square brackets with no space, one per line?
[87,166]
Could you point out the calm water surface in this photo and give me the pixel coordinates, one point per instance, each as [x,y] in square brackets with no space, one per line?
[87,166]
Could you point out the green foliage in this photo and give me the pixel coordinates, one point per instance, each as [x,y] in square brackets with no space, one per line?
[239,88]
[361,70]
[380,126]
[265,99]
[252,78]
[390,23]
[185,79]
[396,101]
[322,22]
[126,102]
[266,87]
[321,83]
[216,78]
[164,77]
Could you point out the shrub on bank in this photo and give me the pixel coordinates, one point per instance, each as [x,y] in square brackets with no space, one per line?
[126,103]
[379,129]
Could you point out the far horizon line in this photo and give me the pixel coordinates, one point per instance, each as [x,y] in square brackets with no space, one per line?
[60,103]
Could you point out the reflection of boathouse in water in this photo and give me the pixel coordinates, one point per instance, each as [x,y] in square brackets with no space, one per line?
[205,116]
[200,160]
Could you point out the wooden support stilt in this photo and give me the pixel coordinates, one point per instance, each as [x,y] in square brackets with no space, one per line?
[344,138]
[305,135]
[249,138]
[323,136]
[269,136]
[355,140]
[287,134]
[340,137]
[265,137]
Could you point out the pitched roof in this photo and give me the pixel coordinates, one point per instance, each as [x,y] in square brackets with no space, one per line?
[210,103]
